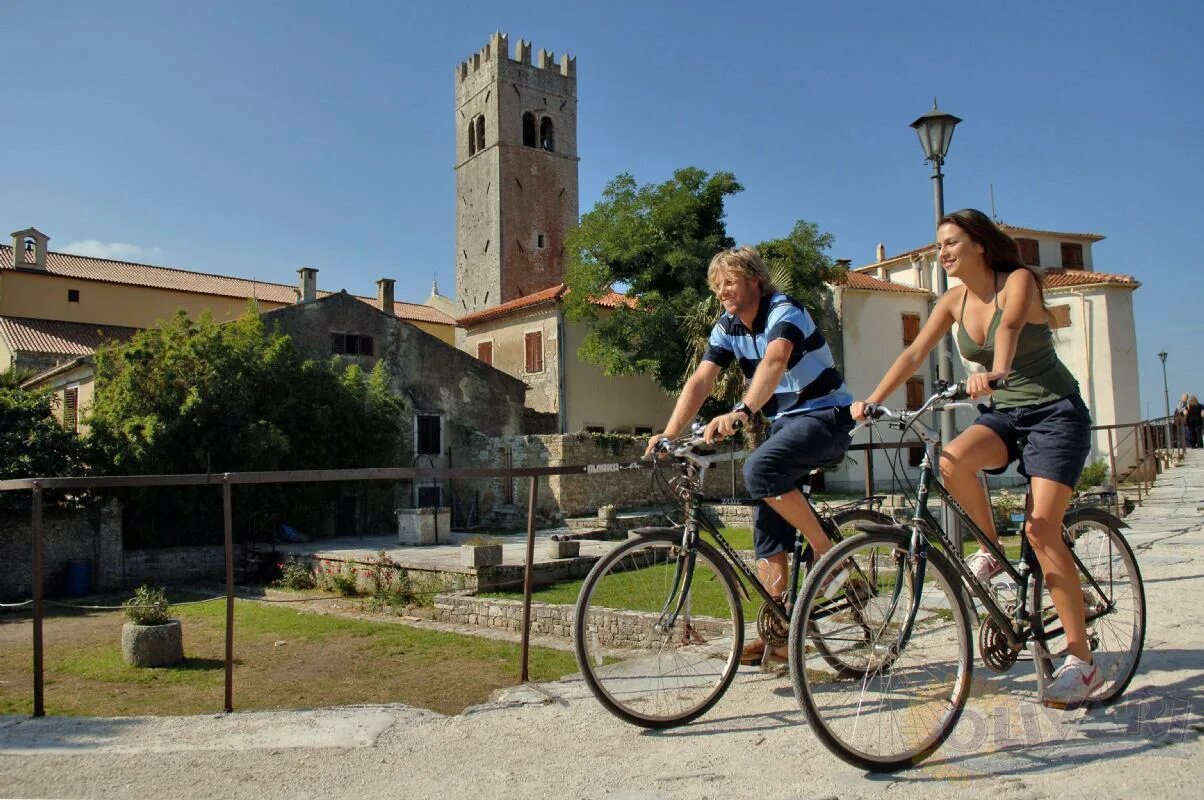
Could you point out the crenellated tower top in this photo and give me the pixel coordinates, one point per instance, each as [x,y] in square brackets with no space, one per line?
[497,53]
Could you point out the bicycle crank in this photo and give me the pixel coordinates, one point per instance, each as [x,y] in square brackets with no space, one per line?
[997,653]
[772,630]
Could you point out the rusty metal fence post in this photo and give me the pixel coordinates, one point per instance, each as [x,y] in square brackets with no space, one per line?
[39,705]
[528,576]
[228,520]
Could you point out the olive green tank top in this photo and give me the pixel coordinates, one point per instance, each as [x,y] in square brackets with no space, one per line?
[1037,376]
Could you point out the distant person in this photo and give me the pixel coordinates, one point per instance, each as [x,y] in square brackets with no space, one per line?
[794,382]
[1181,421]
[1194,421]
[1003,325]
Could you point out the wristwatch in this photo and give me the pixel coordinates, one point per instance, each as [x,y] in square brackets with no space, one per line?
[742,407]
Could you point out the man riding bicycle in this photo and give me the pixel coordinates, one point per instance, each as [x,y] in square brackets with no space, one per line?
[793,380]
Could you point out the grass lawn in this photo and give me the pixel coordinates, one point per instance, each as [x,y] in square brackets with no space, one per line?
[284,658]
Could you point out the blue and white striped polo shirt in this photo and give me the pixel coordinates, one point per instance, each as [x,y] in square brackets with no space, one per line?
[811,380]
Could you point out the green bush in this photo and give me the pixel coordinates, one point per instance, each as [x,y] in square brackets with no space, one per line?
[148,606]
[340,581]
[296,573]
[1094,474]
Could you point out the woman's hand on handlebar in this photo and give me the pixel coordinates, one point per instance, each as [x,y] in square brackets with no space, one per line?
[980,383]
[724,425]
[857,410]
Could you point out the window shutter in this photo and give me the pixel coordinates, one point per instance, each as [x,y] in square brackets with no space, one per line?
[911,328]
[71,409]
[338,343]
[915,393]
[485,352]
[1072,255]
[534,347]
[366,346]
[1030,253]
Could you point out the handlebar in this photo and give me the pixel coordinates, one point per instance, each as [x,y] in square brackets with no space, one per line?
[946,397]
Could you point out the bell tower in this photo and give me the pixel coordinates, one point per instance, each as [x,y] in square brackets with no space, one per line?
[516,172]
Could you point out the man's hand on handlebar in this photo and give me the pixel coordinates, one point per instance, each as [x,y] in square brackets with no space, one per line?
[654,440]
[724,425]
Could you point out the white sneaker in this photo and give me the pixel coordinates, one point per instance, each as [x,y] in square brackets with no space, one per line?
[983,566]
[1073,683]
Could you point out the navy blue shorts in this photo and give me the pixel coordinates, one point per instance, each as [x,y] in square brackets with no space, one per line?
[796,444]
[1051,440]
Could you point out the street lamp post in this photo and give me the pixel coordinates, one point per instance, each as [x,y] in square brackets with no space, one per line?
[935,130]
[1166,397]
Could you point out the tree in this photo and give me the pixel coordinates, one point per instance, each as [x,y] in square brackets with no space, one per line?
[657,241]
[195,396]
[32,443]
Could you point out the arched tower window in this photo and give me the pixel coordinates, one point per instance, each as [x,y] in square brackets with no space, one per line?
[472,137]
[481,132]
[528,129]
[547,138]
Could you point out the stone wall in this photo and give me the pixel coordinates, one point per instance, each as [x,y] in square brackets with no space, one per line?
[620,629]
[167,565]
[93,534]
[622,479]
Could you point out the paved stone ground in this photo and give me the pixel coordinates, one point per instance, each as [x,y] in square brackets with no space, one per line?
[554,740]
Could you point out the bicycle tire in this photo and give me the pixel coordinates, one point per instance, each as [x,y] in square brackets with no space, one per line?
[905,702]
[642,674]
[1118,636]
[845,522]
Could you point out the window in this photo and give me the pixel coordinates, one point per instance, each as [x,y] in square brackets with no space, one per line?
[528,129]
[911,328]
[481,132]
[1059,317]
[642,430]
[547,139]
[73,295]
[1029,252]
[71,409]
[485,352]
[1072,255]
[915,393]
[539,240]
[472,137]
[595,429]
[429,497]
[351,344]
[429,440]
[534,348]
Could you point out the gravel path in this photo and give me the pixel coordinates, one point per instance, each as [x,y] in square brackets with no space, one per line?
[554,740]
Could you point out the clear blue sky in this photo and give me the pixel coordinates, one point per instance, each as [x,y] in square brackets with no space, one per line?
[250,137]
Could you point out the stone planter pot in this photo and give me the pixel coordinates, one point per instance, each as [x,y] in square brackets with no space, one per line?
[152,645]
[480,555]
[564,549]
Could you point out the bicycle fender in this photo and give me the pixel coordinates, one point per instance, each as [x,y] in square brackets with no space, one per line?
[719,560]
[1098,515]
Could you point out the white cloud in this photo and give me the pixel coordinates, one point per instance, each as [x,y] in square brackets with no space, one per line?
[118,251]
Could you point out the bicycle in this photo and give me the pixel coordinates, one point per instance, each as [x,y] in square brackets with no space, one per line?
[659,624]
[905,618]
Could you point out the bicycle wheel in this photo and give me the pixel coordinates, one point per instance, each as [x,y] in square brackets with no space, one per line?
[912,688]
[646,664]
[844,654]
[1115,612]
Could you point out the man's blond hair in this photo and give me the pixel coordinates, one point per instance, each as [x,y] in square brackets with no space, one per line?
[742,261]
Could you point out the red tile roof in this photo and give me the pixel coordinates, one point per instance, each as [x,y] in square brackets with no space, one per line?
[57,337]
[131,274]
[857,280]
[549,295]
[1066,278]
[1094,237]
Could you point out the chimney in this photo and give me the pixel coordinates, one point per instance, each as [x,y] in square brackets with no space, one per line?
[29,249]
[384,295]
[309,284]
[881,252]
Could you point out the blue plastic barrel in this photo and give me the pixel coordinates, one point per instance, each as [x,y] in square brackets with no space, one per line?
[79,577]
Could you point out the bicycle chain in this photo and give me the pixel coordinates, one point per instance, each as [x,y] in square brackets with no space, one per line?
[997,653]
[771,629]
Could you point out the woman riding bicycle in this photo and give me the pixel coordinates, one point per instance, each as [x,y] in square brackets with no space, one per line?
[1038,417]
